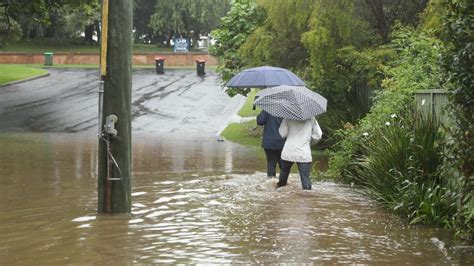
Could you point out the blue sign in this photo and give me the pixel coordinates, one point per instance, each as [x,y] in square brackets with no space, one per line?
[181,45]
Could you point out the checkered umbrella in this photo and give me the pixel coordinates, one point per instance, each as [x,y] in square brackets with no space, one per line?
[292,102]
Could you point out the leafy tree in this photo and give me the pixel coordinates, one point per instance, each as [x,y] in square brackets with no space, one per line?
[10,30]
[278,41]
[334,25]
[142,12]
[51,18]
[187,17]
[69,20]
[341,65]
[384,14]
[432,16]
[11,13]
[242,19]
[459,66]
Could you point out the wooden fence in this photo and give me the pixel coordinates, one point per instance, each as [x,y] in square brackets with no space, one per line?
[433,102]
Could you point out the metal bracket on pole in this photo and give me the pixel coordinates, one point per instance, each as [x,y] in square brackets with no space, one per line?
[111,132]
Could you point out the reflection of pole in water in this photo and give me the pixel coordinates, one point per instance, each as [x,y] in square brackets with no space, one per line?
[78,162]
[207,155]
[229,162]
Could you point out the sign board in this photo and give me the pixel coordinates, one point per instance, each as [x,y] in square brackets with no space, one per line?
[181,45]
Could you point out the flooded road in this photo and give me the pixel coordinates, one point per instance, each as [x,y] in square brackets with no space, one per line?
[67,100]
[195,200]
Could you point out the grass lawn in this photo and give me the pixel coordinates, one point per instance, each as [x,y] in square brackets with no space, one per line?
[9,73]
[56,46]
[247,133]
[247,109]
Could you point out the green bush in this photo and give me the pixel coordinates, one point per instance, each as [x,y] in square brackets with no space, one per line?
[417,68]
[399,167]
[458,62]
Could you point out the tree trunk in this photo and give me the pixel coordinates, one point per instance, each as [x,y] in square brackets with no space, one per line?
[377,9]
[89,32]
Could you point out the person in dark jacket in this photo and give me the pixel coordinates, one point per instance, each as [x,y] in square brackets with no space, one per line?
[272,142]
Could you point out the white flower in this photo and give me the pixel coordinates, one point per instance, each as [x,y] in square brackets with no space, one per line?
[423,102]
[365,134]
[393,116]
[387,123]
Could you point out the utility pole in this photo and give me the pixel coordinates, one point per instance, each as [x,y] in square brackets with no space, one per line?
[114,177]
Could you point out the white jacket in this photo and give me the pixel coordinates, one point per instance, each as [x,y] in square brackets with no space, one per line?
[298,136]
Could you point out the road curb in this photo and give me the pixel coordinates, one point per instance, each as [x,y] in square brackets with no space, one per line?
[24,80]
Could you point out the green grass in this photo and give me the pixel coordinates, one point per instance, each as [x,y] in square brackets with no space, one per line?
[247,109]
[70,46]
[247,133]
[9,73]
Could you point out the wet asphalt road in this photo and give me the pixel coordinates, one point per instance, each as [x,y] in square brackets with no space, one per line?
[66,101]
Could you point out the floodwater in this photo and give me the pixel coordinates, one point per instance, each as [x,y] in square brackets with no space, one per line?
[195,200]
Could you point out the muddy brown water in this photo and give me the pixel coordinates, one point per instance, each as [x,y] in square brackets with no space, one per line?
[195,200]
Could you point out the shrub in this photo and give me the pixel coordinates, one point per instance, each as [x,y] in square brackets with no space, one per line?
[458,62]
[399,167]
[417,68]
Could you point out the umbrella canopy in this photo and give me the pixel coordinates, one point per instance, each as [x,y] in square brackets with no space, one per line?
[264,77]
[292,102]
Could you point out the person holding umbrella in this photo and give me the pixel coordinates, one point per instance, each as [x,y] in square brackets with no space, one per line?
[267,77]
[272,142]
[299,135]
[298,106]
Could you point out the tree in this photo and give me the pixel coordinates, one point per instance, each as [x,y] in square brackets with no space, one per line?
[242,19]
[383,14]
[187,17]
[52,18]
[278,41]
[334,25]
[142,12]
[10,30]
[459,66]
[11,15]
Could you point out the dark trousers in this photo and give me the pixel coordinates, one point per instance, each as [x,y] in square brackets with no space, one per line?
[303,168]
[273,158]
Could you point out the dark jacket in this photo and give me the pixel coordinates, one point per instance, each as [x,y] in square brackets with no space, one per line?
[271,137]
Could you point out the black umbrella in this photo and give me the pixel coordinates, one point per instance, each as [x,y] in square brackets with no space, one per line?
[264,77]
[292,102]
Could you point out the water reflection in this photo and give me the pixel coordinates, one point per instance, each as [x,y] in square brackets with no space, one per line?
[195,200]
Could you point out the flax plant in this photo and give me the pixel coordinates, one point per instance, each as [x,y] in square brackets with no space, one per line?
[399,167]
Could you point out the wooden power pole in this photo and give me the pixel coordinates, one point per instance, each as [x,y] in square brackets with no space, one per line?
[114,179]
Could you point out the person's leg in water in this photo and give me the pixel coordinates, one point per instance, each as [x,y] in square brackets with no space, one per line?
[304,169]
[273,158]
[284,173]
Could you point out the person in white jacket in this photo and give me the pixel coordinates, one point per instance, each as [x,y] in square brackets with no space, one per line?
[297,148]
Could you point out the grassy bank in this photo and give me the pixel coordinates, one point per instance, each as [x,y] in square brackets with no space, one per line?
[247,133]
[247,108]
[10,73]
